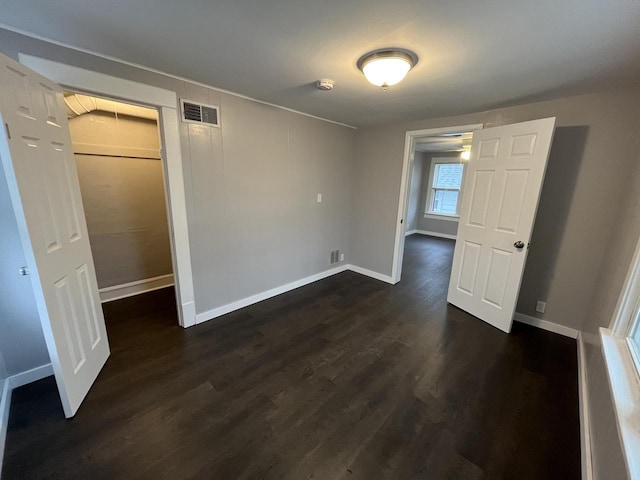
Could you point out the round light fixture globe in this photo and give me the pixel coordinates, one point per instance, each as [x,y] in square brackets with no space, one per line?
[385,68]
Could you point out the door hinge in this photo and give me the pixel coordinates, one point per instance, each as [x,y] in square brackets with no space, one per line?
[6,127]
[24,271]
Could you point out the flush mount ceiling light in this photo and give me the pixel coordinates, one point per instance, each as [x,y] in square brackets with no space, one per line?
[387,67]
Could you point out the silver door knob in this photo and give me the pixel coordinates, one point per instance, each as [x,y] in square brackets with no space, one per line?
[519,244]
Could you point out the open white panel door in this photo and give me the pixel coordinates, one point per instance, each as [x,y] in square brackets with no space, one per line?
[502,187]
[37,156]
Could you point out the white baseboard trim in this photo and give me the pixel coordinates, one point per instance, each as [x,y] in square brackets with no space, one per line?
[5,404]
[188,314]
[372,274]
[33,375]
[434,234]
[245,302]
[7,387]
[116,292]
[585,419]
[546,325]
[409,232]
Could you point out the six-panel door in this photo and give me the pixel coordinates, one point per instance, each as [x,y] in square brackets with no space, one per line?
[37,157]
[502,185]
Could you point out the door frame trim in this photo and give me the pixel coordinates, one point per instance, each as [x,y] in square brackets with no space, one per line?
[166,102]
[403,200]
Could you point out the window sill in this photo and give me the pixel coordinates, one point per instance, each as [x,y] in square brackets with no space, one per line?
[440,216]
[625,391]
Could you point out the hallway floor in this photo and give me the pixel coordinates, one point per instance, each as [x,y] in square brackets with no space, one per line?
[345,378]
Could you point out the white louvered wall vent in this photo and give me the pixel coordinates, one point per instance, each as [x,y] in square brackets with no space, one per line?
[193,112]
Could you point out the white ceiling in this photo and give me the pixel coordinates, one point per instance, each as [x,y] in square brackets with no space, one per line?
[474,55]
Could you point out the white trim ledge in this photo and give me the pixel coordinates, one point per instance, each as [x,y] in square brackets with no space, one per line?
[432,234]
[546,325]
[117,292]
[625,392]
[8,385]
[85,80]
[585,419]
[448,218]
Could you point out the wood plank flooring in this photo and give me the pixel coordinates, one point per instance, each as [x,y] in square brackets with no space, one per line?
[347,378]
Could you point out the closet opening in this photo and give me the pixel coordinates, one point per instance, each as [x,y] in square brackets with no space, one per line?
[117,148]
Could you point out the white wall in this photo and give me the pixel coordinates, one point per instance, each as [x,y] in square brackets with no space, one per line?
[121,179]
[590,160]
[618,252]
[4,407]
[414,208]
[254,222]
[251,185]
[3,371]
[447,227]
[419,190]
[21,339]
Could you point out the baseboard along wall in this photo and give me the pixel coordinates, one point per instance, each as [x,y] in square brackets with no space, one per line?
[546,325]
[117,292]
[431,234]
[245,302]
[7,387]
[585,418]
[372,274]
[583,394]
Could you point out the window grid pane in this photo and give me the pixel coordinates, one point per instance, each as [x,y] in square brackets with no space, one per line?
[445,202]
[445,185]
[448,175]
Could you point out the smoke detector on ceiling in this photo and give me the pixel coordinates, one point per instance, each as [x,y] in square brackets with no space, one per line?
[325,84]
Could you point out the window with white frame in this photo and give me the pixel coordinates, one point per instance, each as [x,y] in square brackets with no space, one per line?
[633,338]
[445,184]
[621,347]
[626,322]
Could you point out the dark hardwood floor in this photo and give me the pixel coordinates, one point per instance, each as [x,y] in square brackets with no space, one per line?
[345,378]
